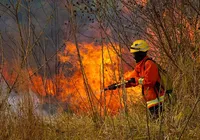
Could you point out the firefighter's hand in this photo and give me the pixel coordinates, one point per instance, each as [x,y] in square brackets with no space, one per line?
[132,80]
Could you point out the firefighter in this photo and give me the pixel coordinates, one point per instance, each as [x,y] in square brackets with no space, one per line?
[146,74]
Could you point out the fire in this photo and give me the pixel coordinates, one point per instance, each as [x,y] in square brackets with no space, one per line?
[95,66]
[68,86]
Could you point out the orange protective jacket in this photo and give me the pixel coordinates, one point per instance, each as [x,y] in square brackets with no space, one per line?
[146,74]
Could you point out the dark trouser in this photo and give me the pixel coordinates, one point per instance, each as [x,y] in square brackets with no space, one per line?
[154,110]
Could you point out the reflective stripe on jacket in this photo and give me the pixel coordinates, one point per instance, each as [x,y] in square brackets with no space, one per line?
[156,101]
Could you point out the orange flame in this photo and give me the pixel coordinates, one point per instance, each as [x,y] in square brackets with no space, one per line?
[94,68]
[68,86]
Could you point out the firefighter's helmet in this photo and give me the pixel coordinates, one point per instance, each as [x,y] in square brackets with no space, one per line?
[139,45]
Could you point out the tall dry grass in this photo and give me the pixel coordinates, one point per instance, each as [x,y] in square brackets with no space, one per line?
[181,121]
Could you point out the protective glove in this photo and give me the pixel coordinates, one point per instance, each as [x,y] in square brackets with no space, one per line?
[132,80]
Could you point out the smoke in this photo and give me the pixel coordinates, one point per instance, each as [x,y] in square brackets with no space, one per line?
[15,102]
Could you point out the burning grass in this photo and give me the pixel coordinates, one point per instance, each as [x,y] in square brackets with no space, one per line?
[181,120]
[26,118]
[68,86]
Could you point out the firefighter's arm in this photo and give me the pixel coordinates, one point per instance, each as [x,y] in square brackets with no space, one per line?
[128,82]
[131,79]
[150,75]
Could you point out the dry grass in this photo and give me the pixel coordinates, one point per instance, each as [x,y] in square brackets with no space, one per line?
[26,124]
[180,120]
